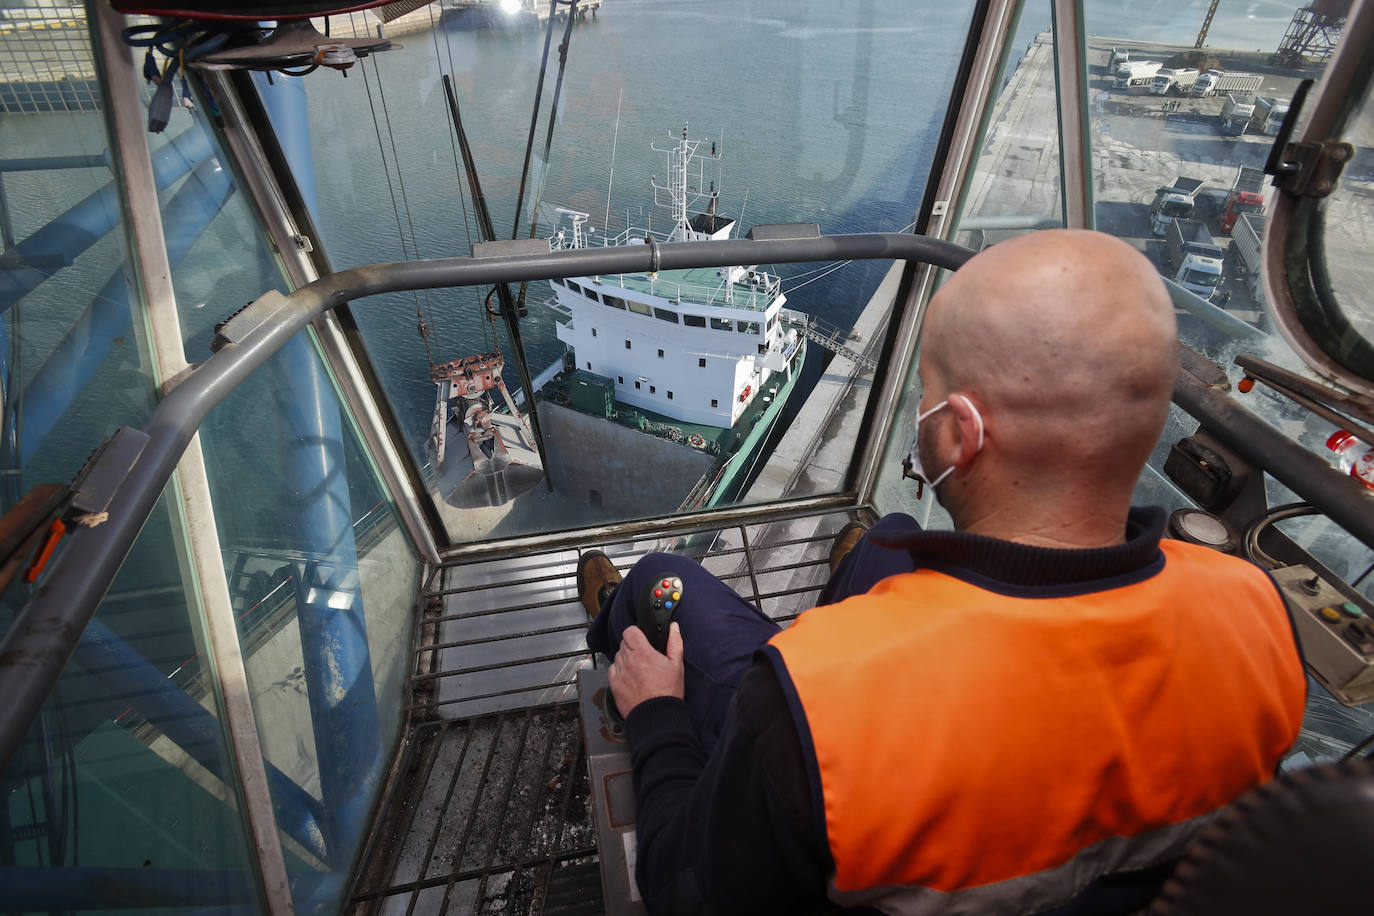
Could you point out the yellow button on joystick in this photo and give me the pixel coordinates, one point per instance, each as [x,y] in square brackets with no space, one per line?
[1330,615]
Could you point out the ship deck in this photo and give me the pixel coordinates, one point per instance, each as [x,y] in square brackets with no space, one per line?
[697,286]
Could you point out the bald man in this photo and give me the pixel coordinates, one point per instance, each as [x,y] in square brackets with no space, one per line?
[1032,713]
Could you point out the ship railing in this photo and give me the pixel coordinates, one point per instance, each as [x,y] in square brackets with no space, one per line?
[756,299]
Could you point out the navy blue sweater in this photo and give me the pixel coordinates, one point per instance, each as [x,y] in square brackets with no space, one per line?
[735,832]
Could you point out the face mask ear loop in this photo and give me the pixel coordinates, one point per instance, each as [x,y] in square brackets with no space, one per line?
[978,416]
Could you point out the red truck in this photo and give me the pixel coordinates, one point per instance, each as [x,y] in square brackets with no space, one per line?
[1245,196]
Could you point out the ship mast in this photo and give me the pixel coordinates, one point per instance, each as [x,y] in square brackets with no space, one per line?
[680,191]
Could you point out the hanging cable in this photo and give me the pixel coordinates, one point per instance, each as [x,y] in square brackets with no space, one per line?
[421,326]
[534,117]
[489,327]
[548,136]
[400,180]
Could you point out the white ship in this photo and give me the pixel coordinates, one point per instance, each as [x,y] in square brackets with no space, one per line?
[707,356]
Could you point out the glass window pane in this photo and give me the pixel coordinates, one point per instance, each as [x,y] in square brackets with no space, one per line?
[842,144]
[124,776]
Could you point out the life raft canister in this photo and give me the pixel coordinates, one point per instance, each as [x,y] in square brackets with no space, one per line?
[744,395]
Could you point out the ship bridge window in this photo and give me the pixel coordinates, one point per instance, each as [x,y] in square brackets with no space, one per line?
[614,302]
[591,294]
[556,282]
[694,321]
[748,327]
[574,287]
[720,324]
[639,308]
[665,315]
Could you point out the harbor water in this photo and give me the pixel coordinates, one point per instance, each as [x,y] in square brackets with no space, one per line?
[823,112]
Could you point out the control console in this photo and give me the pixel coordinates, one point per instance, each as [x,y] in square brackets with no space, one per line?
[1336,630]
[657,604]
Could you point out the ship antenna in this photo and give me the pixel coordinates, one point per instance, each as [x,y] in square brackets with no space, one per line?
[614,140]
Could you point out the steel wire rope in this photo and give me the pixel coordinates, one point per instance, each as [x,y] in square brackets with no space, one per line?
[548,136]
[391,190]
[405,200]
[830,268]
[488,327]
[534,116]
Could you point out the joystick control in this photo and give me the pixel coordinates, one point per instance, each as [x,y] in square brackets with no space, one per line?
[657,604]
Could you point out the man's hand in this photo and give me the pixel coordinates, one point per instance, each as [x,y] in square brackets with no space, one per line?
[640,673]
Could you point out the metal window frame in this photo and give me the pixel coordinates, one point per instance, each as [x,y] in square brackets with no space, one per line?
[1284,247]
[984,55]
[189,499]
[259,163]
[48,627]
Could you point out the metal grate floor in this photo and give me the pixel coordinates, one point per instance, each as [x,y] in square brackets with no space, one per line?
[490,810]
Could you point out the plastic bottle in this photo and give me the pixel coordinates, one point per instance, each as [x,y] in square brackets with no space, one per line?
[1355,457]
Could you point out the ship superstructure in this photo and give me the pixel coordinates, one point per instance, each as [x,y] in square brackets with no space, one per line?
[697,346]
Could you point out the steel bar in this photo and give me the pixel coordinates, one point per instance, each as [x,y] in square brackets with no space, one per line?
[960,138]
[87,222]
[262,184]
[443,807]
[471,819]
[1071,88]
[47,628]
[1286,228]
[542,688]
[190,505]
[509,312]
[82,352]
[53,163]
[1342,498]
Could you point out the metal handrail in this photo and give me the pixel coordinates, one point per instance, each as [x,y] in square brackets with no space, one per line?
[47,629]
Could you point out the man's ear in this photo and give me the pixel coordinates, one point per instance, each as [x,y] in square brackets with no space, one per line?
[969,424]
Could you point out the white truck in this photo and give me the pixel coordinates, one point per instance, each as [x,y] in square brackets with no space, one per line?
[1193,258]
[1215,82]
[1245,252]
[1174,202]
[1269,115]
[1136,74]
[1176,81]
[1119,56]
[1236,113]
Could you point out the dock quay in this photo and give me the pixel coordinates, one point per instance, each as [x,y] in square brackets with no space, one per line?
[1140,143]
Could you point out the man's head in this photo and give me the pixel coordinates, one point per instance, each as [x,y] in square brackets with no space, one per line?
[1059,351]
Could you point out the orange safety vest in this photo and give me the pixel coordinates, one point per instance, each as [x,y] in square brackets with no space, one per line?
[983,751]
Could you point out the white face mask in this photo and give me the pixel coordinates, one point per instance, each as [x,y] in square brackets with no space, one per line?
[916,470]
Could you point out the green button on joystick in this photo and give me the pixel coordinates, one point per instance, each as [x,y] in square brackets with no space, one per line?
[1352,609]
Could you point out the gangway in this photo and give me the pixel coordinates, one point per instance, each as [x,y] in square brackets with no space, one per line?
[828,336]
